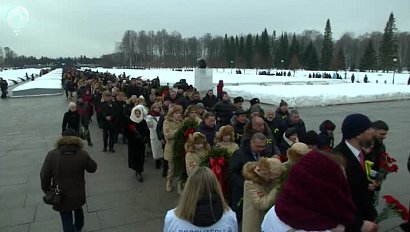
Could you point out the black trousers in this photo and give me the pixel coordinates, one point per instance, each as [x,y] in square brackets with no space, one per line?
[108,137]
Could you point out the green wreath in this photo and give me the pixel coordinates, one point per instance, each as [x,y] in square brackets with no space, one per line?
[181,136]
[215,152]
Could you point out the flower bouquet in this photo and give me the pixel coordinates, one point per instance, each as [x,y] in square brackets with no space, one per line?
[393,208]
[387,164]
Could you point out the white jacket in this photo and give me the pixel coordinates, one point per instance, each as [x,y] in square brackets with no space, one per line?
[227,223]
[272,223]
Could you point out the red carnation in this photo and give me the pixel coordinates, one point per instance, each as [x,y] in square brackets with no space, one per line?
[393,208]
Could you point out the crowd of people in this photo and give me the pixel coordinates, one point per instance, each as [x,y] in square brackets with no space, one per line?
[281,176]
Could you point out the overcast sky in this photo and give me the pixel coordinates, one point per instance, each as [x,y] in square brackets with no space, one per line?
[89,27]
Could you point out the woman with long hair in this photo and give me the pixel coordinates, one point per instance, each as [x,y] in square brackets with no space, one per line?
[225,138]
[173,121]
[202,206]
[196,147]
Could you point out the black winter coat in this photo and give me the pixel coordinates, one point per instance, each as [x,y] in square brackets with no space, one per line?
[239,158]
[300,128]
[325,141]
[209,102]
[136,144]
[71,120]
[208,132]
[223,112]
[358,184]
[109,109]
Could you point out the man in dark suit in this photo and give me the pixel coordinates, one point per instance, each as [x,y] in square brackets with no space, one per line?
[357,132]
[250,150]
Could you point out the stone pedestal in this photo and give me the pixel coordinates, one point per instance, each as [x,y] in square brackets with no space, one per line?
[203,79]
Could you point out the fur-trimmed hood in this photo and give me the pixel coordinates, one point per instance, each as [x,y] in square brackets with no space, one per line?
[266,167]
[69,144]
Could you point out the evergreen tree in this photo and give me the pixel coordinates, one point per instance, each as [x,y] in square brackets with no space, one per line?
[388,46]
[240,59]
[227,51]
[248,51]
[338,61]
[264,50]
[275,46]
[310,57]
[282,54]
[327,48]
[369,58]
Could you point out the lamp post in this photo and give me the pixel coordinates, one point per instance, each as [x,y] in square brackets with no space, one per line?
[231,66]
[281,61]
[394,67]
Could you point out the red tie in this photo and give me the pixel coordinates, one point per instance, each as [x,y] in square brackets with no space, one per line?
[361,158]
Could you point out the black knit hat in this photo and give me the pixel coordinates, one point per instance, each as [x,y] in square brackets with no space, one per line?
[254,101]
[355,124]
[282,103]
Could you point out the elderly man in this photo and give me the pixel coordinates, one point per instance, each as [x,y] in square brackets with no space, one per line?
[357,133]
[257,124]
[251,150]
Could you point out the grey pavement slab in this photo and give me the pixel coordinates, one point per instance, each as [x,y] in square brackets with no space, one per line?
[29,128]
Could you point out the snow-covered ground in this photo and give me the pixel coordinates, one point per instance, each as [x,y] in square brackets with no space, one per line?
[51,80]
[297,90]
[16,74]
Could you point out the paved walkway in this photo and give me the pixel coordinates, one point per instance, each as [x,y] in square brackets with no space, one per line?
[115,200]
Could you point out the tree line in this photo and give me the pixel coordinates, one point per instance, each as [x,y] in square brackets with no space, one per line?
[310,50]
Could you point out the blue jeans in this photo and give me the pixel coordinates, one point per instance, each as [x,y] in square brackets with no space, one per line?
[67,220]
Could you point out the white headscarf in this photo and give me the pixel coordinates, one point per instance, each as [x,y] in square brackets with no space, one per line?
[142,113]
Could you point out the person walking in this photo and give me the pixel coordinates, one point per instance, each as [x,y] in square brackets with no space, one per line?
[71,119]
[137,134]
[110,112]
[357,133]
[65,165]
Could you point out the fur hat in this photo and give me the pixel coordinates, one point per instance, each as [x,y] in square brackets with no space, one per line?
[238,99]
[107,93]
[254,101]
[200,105]
[196,137]
[240,112]
[262,169]
[296,151]
[355,124]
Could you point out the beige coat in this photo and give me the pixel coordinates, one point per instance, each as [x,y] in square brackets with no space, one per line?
[170,128]
[257,199]
[192,160]
[230,146]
